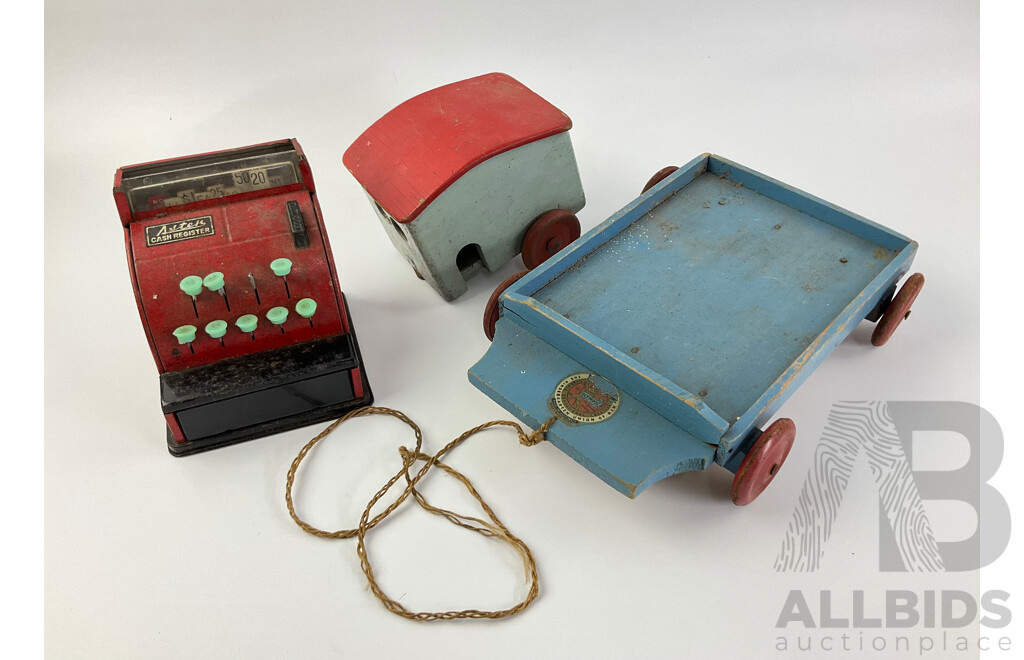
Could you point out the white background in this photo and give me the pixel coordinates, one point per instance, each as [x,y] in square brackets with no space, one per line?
[872,106]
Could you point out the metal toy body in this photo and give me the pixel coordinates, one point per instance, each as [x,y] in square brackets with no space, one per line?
[689,317]
[459,174]
[238,294]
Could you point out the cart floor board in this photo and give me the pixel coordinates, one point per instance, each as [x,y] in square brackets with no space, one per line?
[719,289]
[629,451]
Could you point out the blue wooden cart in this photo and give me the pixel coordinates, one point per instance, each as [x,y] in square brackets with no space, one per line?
[665,338]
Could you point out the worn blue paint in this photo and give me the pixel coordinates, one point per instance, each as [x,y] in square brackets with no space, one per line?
[709,298]
[629,451]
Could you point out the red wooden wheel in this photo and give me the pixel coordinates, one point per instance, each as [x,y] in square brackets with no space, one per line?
[898,310]
[658,177]
[763,461]
[548,234]
[491,310]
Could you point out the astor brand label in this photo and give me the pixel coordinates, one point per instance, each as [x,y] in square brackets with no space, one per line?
[179,230]
[586,398]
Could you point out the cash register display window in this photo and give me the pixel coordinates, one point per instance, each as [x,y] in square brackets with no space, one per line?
[164,185]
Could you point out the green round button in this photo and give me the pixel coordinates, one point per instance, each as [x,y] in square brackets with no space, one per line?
[281,266]
[214,281]
[192,285]
[185,333]
[305,308]
[247,323]
[216,329]
[277,315]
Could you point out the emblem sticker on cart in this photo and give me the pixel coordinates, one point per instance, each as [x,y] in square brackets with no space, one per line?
[586,398]
[180,230]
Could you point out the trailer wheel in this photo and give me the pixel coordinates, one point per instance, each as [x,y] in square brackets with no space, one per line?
[763,461]
[898,310]
[491,309]
[658,177]
[548,234]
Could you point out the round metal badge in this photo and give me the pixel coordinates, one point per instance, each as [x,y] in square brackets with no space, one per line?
[586,398]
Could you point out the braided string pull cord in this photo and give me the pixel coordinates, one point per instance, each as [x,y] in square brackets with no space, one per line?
[290,480]
[491,528]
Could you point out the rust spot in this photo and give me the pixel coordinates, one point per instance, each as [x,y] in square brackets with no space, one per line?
[702,393]
[777,227]
[635,349]
[667,227]
[843,260]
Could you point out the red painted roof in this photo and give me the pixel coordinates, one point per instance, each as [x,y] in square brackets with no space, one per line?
[413,153]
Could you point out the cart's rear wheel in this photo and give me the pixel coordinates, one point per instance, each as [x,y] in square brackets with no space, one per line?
[898,310]
[763,461]
[548,234]
[658,177]
[491,310]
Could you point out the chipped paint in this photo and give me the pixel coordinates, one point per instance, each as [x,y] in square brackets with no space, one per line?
[567,329]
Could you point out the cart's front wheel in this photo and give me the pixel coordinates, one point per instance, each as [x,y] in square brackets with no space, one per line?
[898,310]
[763,461]
[658,177]
[491,310]
[548,234]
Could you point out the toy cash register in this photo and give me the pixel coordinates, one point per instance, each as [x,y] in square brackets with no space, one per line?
[238,295]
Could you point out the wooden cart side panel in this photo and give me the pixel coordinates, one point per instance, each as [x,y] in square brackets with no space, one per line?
[663,396]
[770,402]
[807,203]
[547,272]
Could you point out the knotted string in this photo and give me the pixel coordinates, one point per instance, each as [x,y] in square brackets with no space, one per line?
[493,529]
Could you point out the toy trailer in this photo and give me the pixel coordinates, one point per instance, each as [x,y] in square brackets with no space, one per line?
[668,336]
[238,295]
[469,175]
